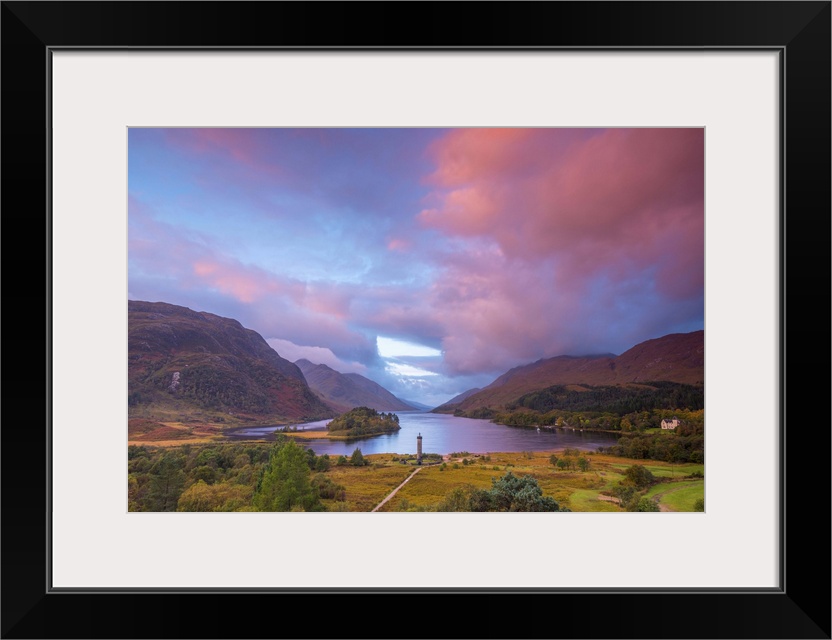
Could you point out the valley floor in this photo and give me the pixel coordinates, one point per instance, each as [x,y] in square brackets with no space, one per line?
[577,490]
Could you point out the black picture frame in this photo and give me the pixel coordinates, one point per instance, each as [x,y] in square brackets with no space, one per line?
[799,31]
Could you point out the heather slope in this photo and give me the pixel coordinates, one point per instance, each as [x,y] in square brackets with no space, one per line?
[197,366]
[677,357]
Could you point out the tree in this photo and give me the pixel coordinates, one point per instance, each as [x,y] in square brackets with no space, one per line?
[638,476]
[322,463]
[357,458]
[285,484]
[553,460]
[204,473]
[480,500]
[583,463]
[208,457]
[167,480]
[364,421]
[520,493]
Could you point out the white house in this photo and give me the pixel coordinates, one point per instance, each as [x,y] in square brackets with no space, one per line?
[670,424]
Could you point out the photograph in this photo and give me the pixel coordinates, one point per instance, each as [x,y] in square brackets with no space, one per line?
[416,319]
[458,266]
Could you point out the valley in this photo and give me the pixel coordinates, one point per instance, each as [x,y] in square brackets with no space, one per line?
[212,407]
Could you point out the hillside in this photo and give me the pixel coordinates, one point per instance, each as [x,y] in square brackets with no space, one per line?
[188,366]
[678,357]
[417,406]
[344,391]
[451,404]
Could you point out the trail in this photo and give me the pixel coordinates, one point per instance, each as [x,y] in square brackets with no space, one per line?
[658,497]
[394,491]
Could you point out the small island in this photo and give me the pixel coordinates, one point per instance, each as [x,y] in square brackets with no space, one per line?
[363,421]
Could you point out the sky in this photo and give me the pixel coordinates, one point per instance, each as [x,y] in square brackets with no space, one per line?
[428,260]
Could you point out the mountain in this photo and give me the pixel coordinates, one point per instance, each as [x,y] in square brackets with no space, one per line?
[187,366]
[416,405]
[345,391]
[450,404]
[678,357]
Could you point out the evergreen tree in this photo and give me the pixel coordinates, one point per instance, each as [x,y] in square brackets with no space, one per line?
[167,480]
[286,485]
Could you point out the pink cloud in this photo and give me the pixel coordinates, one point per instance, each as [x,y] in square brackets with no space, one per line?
[398,244]
[240,144]
[249,160]
[316,355]
[615,194]
[572,239]
[246,284]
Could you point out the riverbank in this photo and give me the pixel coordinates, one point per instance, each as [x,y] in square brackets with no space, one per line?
[552,428]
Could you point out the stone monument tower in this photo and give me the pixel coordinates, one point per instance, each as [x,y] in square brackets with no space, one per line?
[419,449]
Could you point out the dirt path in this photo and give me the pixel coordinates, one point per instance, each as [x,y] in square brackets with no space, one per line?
[658,497]
[394,491]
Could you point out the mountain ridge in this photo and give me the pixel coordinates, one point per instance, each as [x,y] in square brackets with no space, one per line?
[345,391]
[676,357]
[186,365]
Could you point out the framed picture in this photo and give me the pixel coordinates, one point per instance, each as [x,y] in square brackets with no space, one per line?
[78,77]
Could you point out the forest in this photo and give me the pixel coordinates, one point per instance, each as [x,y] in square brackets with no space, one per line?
[616,399]
[279,476]
[363,421]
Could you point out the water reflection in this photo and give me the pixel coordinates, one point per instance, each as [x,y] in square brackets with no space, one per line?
[444,434]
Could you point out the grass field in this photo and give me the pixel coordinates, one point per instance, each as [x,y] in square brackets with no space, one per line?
[577,490]
[366,486]
[678,496]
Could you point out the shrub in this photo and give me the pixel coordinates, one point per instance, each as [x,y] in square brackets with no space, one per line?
[328,489]
[322,463]
[218,497]
[519,493]
[645,504]
[638,476]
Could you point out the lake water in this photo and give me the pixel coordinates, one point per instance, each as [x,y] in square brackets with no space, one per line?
[442,434]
